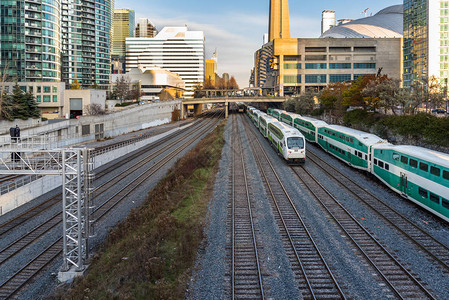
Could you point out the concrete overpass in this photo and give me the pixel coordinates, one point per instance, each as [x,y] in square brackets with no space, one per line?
[199,102]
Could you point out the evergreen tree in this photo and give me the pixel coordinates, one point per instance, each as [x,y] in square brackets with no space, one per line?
[20,107]
[33,110]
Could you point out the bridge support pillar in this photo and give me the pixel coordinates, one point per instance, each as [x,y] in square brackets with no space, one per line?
[183,111]
[226,109]
[198,109]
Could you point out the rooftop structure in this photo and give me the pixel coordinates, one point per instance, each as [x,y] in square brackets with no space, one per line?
[387,23]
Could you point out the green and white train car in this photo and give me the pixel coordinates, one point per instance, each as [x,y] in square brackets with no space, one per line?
[264,121]
[418,174]
[256,116]
[288,142]
[349,145]
[309,127]
[275,113]
[288,117]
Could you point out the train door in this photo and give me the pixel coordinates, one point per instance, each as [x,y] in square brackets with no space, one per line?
[404,183]
[348,153]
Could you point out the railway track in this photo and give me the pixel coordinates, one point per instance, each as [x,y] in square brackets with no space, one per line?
[15,282]
[422,239]
[246,274]
[316,280]
[399,280]
[34,211]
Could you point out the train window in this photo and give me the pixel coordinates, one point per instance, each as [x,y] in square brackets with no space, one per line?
[423,166]
[347,139]
[413,163]
[446,175]
[423,193]
[404,159]
[359,154]
[352,140]
[435,171]
[375,162]
[387,167]
[366,157]
[445,203]
[396,156]
[434,198]
[381,164]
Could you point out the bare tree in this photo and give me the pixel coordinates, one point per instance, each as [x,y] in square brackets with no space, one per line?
[94,110]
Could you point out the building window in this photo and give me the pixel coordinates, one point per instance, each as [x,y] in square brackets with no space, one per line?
[364,65]
[55,89]
[55,98]
[46,89]
[340,66]
[339,77]
[23,88]
[39,89]
[38,98]
[292,79]
[315,78]
[292,66]
[316,66]
[31,89]
[47,98]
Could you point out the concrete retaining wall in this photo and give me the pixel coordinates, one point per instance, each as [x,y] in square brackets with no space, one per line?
[5,125]
[75,131]
[46,184]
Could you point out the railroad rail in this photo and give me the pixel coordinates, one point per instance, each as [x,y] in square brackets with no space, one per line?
[316,280]
[246,274]
[424,240]
[32,212]
[401,282]
[14,283]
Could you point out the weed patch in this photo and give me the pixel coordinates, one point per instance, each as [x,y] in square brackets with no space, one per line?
[150,255]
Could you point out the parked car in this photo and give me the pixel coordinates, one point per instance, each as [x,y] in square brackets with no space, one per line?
[439,111]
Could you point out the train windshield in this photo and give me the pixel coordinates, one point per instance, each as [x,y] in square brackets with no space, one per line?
[295,143]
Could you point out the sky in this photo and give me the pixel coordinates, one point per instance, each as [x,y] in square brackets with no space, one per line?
[236,27]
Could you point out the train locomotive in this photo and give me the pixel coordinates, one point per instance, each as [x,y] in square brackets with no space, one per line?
[286,140]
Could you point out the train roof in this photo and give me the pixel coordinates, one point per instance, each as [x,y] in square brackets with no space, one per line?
[293,115]
[367,138]
[268,117]
[280,111]
[314,121]
[439,158]
[287,129]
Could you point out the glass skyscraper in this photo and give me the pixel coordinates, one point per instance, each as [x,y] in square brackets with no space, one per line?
[56,40]
[426,40]
[30,48]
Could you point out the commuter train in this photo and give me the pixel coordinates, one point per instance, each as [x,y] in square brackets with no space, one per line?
[286,140]
[418,174]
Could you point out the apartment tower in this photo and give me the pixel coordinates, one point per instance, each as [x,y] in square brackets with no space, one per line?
[426,41]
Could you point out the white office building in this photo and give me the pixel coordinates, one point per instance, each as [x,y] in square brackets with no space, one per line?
[175,49]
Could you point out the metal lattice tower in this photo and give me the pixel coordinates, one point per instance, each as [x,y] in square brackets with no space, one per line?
[30,156]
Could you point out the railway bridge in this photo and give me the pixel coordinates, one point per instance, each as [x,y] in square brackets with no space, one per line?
[197,103]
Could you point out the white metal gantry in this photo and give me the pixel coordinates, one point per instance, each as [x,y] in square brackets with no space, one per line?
[34,156]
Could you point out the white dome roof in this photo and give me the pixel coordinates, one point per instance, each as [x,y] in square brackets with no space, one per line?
[387,23]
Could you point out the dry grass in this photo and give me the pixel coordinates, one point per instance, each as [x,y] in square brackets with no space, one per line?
[150,255]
